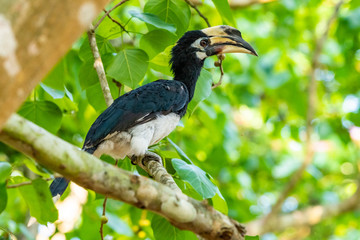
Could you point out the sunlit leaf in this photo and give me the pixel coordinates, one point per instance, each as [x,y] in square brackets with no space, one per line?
[219,203]
[153,20]
[65,70]
[117,224]
[196,177]
[163,230]
[202,90]
[3,196]
[156,41]
[53,92]
[39,200]
[180,152]
[129,67]
[87,75]
[252,238]
[224,10]
[95,97]
[46,114]
[175,12]
[5,171]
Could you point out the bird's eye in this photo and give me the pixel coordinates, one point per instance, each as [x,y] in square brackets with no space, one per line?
[204,42]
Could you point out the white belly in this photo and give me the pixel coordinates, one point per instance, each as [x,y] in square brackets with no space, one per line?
[136,140]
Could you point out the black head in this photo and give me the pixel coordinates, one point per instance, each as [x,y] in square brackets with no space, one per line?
[190,51]
[195,46]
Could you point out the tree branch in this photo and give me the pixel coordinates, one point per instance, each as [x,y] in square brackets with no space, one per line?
[191,4]
[32,30]
[308,216]
[108,12]
[311,107]
[114,21]
[99,67]
[88,171]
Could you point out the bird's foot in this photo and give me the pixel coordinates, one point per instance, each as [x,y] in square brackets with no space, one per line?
[137,160]
[152,156]
[141,160]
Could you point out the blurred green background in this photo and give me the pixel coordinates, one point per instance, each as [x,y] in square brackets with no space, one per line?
[249,134]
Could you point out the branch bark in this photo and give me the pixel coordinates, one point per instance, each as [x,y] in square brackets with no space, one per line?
[34,35]
[99,66]
[311,108]
[88,171]
[308,216]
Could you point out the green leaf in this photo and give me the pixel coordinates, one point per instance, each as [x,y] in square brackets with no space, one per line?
[129,67]
[118,225]
[3,197]
[153,20]
[223,7]
[38,198]
[160,62]
[175,12]
[104,46]
[36,168]
[156,41]
[180,152]
[56,77]
[252,238]
[196,177]
[55,93]
[108,29]
[64,71]
[163,230]
[87,74]
[219,203]
[5,171]
[44,113]
[95,97]
[202,90]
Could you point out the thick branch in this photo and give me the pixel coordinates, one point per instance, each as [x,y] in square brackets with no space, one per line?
[89,172]
[152,164]
[308,216]
[309,151]
[99,67]
[37,36]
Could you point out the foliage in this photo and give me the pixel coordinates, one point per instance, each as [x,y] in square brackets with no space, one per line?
[248,134]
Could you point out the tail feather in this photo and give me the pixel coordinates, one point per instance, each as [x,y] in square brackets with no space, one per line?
[58,186]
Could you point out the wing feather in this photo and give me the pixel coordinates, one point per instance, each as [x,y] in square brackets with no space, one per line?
[137,107]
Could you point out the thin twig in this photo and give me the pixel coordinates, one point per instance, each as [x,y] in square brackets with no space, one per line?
[99,67]
[198,11]
[103,218]
[309,151]
[25,183]
[215,85]
[115,21]
[107,13]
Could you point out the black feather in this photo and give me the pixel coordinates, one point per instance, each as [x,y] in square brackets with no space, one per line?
[137,107]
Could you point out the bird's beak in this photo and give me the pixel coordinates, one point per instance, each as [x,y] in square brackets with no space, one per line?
[226,39]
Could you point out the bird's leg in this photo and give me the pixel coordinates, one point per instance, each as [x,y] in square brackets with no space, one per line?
[141,160]
[152,156]
[153,165]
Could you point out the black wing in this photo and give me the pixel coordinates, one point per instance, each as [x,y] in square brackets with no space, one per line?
[136,107]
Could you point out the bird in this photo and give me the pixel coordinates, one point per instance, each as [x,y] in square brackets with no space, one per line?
[144,116]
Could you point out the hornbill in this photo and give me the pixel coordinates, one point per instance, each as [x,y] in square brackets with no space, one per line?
[144,116]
